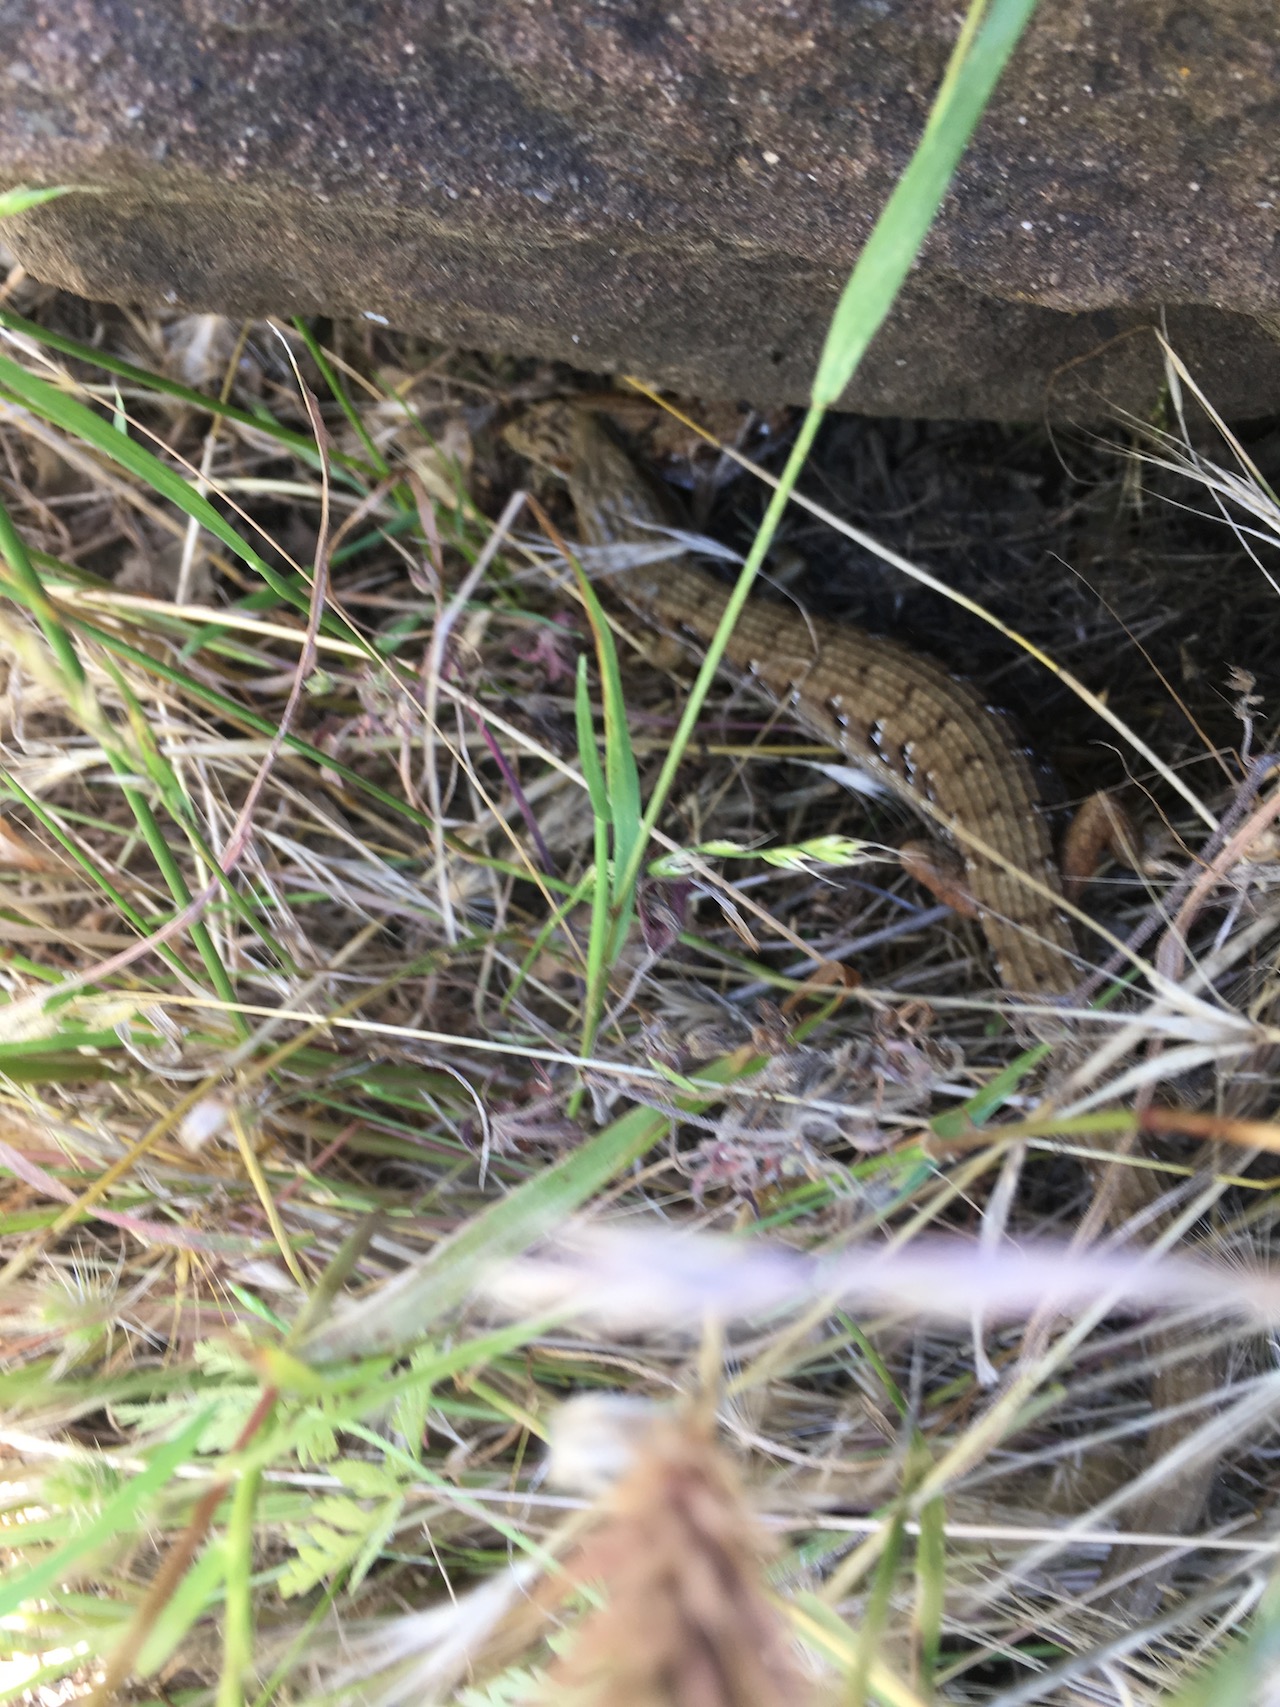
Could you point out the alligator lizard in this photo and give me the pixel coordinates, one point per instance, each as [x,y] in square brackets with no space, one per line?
[923,733]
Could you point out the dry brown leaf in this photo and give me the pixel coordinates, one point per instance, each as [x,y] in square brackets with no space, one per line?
[19,853]
[941,872]
[1101,828]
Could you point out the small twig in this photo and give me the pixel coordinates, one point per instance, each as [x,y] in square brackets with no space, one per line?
[1172,952]
[433,669]
[518,795]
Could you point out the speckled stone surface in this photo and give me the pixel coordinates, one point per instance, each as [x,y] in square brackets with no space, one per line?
[675,187]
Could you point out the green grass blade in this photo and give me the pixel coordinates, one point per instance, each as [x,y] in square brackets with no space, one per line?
[14,551]
[237,1626]
[716,648]
[615,799]
[599,934]
[979,56]
[20,199]
[622,775]
[376,459]
[989,35]
[83,705]
[875,1614]
[82,424]
[931,1589]
[298,444]
[122,1513]
[588,757]
[1245,1673]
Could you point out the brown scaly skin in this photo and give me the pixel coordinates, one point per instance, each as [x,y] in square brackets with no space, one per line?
[922,733]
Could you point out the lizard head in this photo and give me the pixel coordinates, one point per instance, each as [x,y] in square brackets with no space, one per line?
[615,501]
[545,436]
